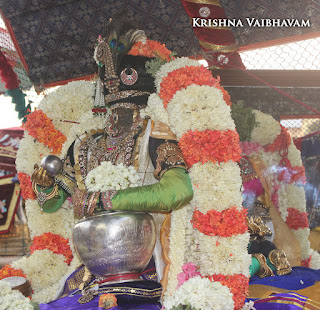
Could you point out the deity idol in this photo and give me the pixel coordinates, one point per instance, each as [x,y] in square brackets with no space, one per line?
[127,141]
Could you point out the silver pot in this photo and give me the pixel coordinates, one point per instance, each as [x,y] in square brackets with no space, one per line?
[115,243]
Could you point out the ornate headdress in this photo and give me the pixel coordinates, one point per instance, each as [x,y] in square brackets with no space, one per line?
[123,79]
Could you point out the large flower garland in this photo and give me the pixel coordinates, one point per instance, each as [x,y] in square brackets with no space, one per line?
[286,171]
[200,117]
[46,132]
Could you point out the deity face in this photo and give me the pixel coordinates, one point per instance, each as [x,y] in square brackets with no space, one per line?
[121,120]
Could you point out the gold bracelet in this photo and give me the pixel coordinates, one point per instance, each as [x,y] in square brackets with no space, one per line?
[279,260]
[265,270]
[92,202]
[79,199]
[42,197]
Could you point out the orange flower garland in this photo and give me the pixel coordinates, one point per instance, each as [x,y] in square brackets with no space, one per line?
[41,128]
[238,284]
[7,271]
[210,146]
[26,186]
[297,219]
[55,243]
[150,49]
[227,223]
[183,77]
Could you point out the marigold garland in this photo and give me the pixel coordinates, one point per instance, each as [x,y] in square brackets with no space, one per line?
[55,243]
[297,219]
[210,145]
[227,223]
[183,77]
[238,284]
[150,49]
[40,126]
[7,271]
[26,186]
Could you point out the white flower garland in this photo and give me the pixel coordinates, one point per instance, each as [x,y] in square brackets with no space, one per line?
[303,236]
[201,294]
[294,155]
[111,177]
[290,195]
[42,268]
[315,260]
[224,255]
[177,248]
[173,65]
[199,108]
[219,192]
[30,152]
[267,130]
[13,299]
[60,222]
[155,110]
[69,103]
[203,108]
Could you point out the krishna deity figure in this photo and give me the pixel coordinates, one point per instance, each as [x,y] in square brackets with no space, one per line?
[123,89]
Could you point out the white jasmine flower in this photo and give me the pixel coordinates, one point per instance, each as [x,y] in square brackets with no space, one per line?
[201,294]
[111,177]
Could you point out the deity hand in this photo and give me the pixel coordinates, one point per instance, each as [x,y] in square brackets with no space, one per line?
[41,176]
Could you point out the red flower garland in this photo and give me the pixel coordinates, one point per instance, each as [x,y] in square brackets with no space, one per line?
[288,174]
[8,271]
[150,49]
[210,146]
[55,243]
[40,126]
[298,175]
[183,77]
[26,186]
[280,143]
[238,285]
[306,262]
[297,219]
[227,223]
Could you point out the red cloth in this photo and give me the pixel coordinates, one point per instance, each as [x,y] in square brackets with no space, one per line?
[212,40]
